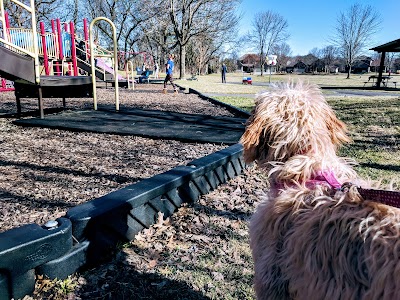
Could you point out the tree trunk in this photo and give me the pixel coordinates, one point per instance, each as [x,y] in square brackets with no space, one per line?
[348,72]
[76,6]
[182,62]
[262,63]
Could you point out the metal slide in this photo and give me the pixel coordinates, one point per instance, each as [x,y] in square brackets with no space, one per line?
[15,66]
[100,74]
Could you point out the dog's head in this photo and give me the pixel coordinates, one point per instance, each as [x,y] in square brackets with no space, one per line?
[292,119]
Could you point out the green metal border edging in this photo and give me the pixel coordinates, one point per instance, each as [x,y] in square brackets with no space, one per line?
[91,231]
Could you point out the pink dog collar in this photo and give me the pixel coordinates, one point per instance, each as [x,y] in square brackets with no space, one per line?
[324,177]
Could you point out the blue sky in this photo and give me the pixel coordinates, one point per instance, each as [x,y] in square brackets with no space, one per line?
[312,22]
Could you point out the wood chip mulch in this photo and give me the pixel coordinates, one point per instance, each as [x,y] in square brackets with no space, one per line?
[45,172]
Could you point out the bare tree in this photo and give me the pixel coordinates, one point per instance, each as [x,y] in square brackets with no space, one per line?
[44,10]
[204,48]
[268,29]
[390,57]
[283,53]
[328,55]
[396,63]
[131,19]
[354,30]
[191,18]
[158,36]
[316,52]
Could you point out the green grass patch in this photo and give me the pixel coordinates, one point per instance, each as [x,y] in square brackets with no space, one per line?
[240,102]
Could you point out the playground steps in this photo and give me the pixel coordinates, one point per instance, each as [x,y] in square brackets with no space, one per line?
[16,66]
[104,76]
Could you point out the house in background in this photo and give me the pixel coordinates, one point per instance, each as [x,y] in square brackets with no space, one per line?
[295,66]
[362,65]
[249,63]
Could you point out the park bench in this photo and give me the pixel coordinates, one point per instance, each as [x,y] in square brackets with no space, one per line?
[193,78]
[144,76]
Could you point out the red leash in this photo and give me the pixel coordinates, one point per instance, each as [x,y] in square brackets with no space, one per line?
[391,198]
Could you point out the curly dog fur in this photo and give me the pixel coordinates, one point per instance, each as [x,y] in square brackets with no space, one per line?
[310,240]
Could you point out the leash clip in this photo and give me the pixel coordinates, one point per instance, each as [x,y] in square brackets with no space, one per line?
[346,187]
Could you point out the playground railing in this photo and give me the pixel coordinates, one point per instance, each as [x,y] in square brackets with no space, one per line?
[33,51]
[51,45]
[23,38]
[100,51]
[6,85]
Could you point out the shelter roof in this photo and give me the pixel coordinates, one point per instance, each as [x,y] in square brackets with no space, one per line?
[393,46]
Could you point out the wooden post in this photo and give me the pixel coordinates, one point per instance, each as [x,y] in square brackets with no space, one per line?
[381,66]
[40,99]
[19,110]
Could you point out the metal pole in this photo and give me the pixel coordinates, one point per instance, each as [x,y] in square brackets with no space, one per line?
[60,44]
[115,61]
[44,47]
[54,30]
[86,37]
[73,48]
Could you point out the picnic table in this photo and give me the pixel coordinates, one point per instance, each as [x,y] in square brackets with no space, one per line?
[385,79]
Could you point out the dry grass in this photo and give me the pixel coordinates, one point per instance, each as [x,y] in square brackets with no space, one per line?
[212,83]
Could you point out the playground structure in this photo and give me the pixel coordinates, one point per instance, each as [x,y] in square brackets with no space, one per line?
[6,85]
[71,64]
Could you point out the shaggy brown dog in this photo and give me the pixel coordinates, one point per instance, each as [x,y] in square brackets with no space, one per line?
[310,239]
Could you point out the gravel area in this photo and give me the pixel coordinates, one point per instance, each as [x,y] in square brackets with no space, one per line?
[47,171]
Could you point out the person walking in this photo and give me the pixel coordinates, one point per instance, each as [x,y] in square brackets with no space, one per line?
[169,69]
[223,73]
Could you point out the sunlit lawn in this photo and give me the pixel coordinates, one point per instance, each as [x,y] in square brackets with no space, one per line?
[212,83]
[373,121]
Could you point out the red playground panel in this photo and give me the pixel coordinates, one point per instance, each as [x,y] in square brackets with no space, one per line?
[6,85]
[247,80]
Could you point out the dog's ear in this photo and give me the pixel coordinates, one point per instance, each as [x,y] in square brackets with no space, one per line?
[337,129]
[252,138]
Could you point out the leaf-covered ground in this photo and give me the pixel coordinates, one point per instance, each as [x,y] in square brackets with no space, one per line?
[200,252]
[46,171]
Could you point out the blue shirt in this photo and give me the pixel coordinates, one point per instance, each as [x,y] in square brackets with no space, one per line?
[169,70]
